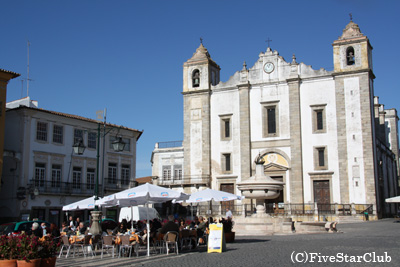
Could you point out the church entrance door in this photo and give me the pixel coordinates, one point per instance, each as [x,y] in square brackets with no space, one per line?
[322,195]
[229,188]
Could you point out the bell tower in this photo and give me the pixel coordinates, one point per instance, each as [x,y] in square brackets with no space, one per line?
[200,73]
[354,93]
[352,51]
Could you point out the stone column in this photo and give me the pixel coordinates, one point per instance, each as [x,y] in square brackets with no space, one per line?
[245,153]
[296,157]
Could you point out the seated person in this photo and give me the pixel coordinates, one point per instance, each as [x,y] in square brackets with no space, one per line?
[64,227]
[182,225]
[201,228]
[53,231]
[144,237]
[170,226]
[36,230]
[194,223]
[81,228]
[121,229]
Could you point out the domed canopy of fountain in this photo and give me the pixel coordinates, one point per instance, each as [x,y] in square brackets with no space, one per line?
[260,186]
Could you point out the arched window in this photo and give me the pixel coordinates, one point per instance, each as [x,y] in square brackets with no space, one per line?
[196,78]
[350,56]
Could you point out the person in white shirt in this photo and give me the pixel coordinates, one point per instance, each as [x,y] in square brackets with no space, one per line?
[228,213]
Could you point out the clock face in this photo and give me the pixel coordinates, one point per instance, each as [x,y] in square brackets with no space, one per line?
[269,67]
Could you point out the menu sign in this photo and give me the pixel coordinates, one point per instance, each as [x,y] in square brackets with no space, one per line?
[216,239]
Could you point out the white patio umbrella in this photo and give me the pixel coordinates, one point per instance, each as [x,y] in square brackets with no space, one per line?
[84,204]
[211,194]
[145,194]
[207,195]
[393,200]
[87,203]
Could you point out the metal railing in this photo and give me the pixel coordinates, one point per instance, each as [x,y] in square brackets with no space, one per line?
[169,144]
[193,180]
[362,208]
[295,209]
[117,184]
[58,187]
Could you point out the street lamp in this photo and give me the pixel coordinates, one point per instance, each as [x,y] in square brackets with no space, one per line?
[79,148]
[118,144]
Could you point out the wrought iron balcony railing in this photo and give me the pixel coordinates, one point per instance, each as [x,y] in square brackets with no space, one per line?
[63,188]
[193,180]
[113,184]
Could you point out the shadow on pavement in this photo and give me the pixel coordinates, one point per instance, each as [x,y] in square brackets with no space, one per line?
[245,241]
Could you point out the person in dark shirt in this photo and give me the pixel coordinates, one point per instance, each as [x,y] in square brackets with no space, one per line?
[53,231]
[170,226]
[36,230]
[194,223]
[81,228]
[121,229]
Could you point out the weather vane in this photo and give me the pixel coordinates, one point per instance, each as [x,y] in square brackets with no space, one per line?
[201,40]
[351,17]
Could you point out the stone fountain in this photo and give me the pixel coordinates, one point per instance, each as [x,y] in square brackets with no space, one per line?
[260,187]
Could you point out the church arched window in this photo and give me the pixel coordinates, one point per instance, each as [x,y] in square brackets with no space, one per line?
[196,78]
[350,56]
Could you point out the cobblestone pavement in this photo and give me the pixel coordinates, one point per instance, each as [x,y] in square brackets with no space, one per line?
[368,240]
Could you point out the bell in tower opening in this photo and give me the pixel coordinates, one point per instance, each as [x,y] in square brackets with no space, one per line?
[350,56]
[196,78]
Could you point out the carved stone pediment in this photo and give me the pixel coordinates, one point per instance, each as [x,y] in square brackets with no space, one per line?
[274,167]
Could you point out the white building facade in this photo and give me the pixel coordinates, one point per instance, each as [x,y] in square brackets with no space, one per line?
[323,133]
[41,171]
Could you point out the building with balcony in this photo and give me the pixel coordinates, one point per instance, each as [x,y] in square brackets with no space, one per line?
[41,172]
[167,167]
[323,133]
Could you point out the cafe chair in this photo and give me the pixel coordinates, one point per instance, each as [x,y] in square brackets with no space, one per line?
[87,245]
[125,244]
[65,244]
[108,242]
[186,239]
[202,239]
[96,242]
[171,238]
[79,244]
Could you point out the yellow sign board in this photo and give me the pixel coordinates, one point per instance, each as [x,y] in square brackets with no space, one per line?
[216,238]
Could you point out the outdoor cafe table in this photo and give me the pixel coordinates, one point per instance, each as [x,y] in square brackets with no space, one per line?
[132,238]
[77,238]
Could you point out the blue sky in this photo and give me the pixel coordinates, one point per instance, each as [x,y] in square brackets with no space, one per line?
[127,56]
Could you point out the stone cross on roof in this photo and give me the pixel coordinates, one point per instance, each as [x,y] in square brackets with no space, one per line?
[268,41]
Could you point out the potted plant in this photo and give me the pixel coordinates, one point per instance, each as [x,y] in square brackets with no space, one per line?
[27,250]
[229,234]
[48,250]
[8,251]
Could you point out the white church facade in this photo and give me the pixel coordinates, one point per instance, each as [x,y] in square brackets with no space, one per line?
[323,133]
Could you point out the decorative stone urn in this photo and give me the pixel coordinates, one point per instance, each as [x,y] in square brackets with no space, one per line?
[260,187]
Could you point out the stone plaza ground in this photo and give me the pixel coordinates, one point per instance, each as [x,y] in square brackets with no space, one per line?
[356,244]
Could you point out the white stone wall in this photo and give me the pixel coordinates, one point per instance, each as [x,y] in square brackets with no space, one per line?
[319,92]
[225,103]
[355,151]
